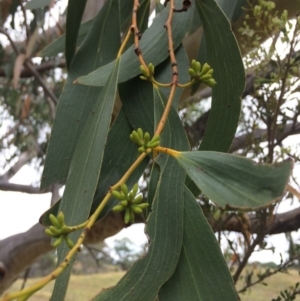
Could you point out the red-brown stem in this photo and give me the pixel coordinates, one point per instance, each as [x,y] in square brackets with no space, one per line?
[168,26]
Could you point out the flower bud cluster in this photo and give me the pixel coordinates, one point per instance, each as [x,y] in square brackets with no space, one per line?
[202,73]
[143,140]
[147,73]
[130,202]
[59,230]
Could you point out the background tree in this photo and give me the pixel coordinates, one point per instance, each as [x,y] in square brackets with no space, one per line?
[270,111]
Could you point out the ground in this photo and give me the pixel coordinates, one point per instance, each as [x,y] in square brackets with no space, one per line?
[84,287]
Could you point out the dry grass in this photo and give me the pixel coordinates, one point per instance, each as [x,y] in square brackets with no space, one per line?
[276,283]
[83,288]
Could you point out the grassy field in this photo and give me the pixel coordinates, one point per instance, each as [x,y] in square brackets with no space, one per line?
[83,288]
[276,283]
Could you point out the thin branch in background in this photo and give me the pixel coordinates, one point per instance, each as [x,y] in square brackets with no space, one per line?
[289,263]
[42,67]
[259,238]
[25,21]
[56,22]
[6,186]
[237,256]
[28,64]
[25,277]
[249,252]
[280,99]
[41,81]
[90,250]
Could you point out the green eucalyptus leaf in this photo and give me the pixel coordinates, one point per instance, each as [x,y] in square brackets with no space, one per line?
[153,180]
[85,170]
[202,273]
[75,11]
[77,102]
[224,57]
[144,279]
[58,45]
[153,44]
[234,181]
[119,155]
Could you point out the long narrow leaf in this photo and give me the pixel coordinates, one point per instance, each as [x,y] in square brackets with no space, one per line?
[58,45]
[202,273]
[119,154]
[85,169]
[143,281]
[77,102]
[224,57]
[234,181]
[74,14]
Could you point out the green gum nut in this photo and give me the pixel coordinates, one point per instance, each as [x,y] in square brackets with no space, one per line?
[144,71]
[155,138]
[138,199]
[143,205]
[135,188]
[69,242]
[211,82]
[136,209]
[198,67]
[153,144]
[118,195]
[57,242]
[192,72]
[205,69]
[194,64]
[151,68]
[131,196]
[205,77]
[54,230]
[132,217]
[124,204]
[140,133]
[134,137]
[49,232]
[127,215]
[124,189]
[61,218]
[146,138]
[54,221]
[141,149]
[118,208]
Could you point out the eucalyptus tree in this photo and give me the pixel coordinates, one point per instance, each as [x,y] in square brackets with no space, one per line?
[117,116]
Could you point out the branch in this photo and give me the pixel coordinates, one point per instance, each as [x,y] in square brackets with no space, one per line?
[24,158]
[5,186]
[28,64]
[282,223]
[44,66]
[261,134]
[42,82]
